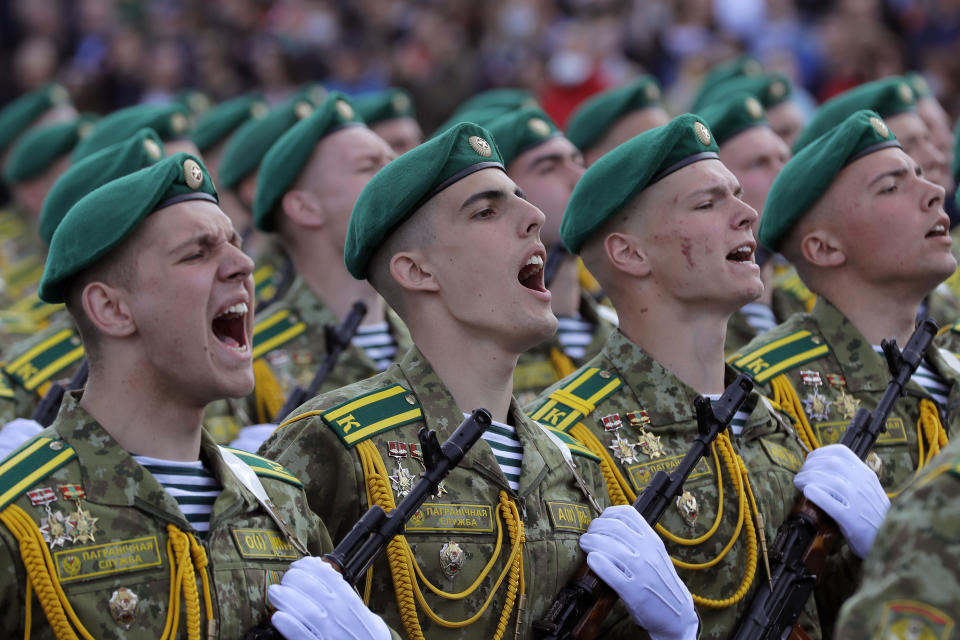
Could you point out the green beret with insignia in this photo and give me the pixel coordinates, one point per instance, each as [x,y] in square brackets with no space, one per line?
[39,148]
[285,160]
[19,114]
[142,149]
[251,141]
[769,88]
[402,186]
[611,182]
[887,97]
[102,219]
[732,115]
[170,121]
[505,98]
[195,100]
[599,113]
[921,88]
[809,174]
[737,68]
[219,122]
[385,105]
[520,131]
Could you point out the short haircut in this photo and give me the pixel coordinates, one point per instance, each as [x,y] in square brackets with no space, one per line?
[415,232]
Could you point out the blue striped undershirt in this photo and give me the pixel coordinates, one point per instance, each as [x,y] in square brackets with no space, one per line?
[927,378]
[574,334]
[377,342]
[507,449]
[190,483]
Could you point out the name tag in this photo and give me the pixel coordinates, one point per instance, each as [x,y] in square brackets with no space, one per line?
[464,518]
[569,516]
[831,432]
[642,474]
[782,456]
[103,559]
[263,543]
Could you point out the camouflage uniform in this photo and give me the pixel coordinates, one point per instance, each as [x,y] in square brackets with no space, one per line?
[911,587]
[135,518]
[324,442]
[820,369]
[632,398]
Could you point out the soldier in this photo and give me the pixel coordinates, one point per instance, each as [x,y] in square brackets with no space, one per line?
[934,117]
[172,122]
[124,517]
[446,237]
[661,222]
[390,115]
[867,233]
[46,105]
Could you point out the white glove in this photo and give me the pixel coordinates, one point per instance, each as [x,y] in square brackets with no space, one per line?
[627,554]
[250,438]
[15,433]
[834,479]
[314,602]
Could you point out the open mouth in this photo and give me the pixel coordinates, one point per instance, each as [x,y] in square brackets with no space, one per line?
[229,326]
[743,253]
[531,274]
[938,230]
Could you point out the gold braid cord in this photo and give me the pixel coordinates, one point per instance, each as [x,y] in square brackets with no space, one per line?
[786,397]
[407,575]
[267,394]
[561,363]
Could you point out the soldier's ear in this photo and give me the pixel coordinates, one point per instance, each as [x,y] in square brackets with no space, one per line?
[821,248]
[412,272]
[303,208]
[626,254]
[107,309]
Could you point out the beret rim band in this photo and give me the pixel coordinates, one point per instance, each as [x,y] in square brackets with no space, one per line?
[706,155]
[185,197]
[459,175]
[871,149]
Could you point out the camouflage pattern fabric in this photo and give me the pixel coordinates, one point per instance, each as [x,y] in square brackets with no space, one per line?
[553,508]
[128,548]
[911,584]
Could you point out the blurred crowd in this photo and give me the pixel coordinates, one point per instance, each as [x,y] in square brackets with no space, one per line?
[115,53]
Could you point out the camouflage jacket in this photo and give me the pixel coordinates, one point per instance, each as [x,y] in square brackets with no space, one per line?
[911,579]
[454,536]
[834,370]
[119,571]
[644,414]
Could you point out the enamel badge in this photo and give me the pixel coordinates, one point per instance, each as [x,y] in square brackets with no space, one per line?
[687,506]
[123,607]
[451,559]
[816,406]
[623,450]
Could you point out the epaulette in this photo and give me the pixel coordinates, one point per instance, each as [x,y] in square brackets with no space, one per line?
[566,405]
[265,279]
[781,355]
[791,283]
[30,464]
[572,443]
[275,330]
[45,360]
[266,468]
[365,416]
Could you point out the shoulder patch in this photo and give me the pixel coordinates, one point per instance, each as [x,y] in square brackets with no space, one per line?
[45,360]
[365,416]
[572,443]
[913,619]
[265,467]
[30,464]
[276,330]
[565,406]
[781,355]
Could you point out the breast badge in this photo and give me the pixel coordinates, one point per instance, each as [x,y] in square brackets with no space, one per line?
[123,607]
[688,508]
[451,559]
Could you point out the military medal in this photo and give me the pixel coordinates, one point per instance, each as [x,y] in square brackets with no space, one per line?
[623,450]
[83,525]
[123,607]
[815,405]
[56,528]
[639,419]
[846,404]
[611,422]
[417,455]
[451,559]
[648,443]
[402,480]
[687,506]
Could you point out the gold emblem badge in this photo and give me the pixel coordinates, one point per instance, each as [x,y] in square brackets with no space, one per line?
[778,89]
[847,405]
[539,126]
[650,444]
[344,109]
[258,110]
[152,149]
[687,506]
[84,526]
[302,110]
[703,134]
[178,123]
[481,146]
[754,108]
[123,607]
[906,93]
[652,92]
[401,103]
[56,528]
[192,174]
[816,406]
[874,463]
[451,559]
[623,450]
[198,102]
[71,565]
[879,126]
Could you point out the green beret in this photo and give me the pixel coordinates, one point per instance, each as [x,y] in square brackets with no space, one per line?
[222,120]
[285,160]
[102,219]
[505,99]
[809,174]
[769,88]
[16,116]
[195,100]
[251,141]
[385,105]
[170,121]
[521,130]
[314,92]
[402,186]
[732,115]
[618,176]
[39,148]
[921,88]
[887,97]
[142,149]
[598,114]
[738,67]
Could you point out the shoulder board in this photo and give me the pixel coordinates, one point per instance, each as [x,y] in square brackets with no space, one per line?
[793,285]
[565,406]
[276,330]
[365,416]
[30,464]
[45,360]
[266,468]
[265,281]
[572,443]
[781,355]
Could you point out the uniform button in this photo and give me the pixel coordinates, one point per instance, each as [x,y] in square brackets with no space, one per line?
[411,399]
[56,445]
[604,374]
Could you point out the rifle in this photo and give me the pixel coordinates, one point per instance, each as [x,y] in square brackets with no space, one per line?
[807,536]
[49,406]
[337,339]
[370,535]
[583,604]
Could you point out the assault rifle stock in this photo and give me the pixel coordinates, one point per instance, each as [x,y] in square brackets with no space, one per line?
[337,340]
[370,535]
[583,604]
[807,536]
[49,406]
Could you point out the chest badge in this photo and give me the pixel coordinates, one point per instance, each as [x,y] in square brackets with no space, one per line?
[874,463]
[56,528]
[402,479]
[649,444]
[451,559]
[688,508]
[623,450]
[84,526]
[123,607]
[816,406]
